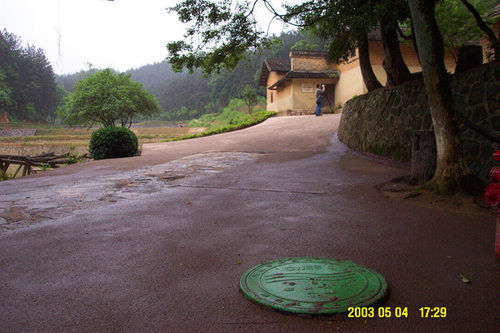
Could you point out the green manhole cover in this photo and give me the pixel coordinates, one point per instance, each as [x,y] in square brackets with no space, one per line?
[312,285]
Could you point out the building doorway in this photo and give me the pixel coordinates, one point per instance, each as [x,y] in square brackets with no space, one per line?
[329,100]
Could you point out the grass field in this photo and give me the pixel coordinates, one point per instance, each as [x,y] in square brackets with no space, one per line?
[60,140]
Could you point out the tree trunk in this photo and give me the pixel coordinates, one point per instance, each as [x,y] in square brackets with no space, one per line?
[369,77]
[394,65]
[451,169]
[414,40]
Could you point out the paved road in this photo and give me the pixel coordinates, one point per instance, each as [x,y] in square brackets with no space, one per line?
[158,243]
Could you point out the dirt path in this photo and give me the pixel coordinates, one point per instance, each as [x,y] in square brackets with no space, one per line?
[158,243]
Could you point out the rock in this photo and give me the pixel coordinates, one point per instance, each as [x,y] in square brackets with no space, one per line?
[412,195]
[15,214]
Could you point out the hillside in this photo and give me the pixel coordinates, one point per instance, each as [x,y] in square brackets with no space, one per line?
[185,96]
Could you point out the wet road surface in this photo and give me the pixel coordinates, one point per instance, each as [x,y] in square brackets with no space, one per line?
[158,243]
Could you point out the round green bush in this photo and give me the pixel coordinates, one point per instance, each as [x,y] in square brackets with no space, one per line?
[112,142]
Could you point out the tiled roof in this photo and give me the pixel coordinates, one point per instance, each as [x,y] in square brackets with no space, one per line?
[284,66]
[276,65]
[311,74]
[493,13]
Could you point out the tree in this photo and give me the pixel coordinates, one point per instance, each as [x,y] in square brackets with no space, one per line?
[226,33]
[107,97]
[195,91]
[229,32]
[456,23]
[62,95]
[219,38]
[369,77]
[494,42]
[345,26]
[451,170]
[250,97]
[305,45]
[29,77]
[388,14]
[69,80]
[6,101]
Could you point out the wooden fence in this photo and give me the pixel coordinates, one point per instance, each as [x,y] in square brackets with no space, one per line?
[26,163]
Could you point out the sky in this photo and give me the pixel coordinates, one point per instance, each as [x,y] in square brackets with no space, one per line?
[120,34]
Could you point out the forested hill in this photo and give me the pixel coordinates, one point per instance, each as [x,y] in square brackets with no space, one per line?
[185,96]
[27,87]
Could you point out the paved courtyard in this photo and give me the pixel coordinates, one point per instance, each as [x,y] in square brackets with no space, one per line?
[158,243]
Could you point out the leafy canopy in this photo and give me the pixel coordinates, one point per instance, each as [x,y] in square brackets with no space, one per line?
[221,32]
[5,93]
[219,35]
[107,97]
[456,23]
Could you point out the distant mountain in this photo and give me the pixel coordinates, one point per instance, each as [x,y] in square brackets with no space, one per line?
[154,76]
[187,95]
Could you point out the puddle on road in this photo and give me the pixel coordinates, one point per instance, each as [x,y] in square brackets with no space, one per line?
[21,209]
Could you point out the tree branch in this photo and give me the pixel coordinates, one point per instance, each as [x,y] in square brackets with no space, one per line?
[482,25]
[286,17]
[253,8]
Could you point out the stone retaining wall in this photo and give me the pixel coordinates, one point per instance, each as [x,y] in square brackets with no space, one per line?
[17,132]
[382,122]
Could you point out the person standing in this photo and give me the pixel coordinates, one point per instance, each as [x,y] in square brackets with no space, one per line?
[320,93]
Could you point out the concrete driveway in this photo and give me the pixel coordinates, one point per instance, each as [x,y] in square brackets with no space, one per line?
[158,243]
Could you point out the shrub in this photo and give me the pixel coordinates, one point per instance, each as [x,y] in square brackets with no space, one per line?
[233,116]
[208,117]
[112,142]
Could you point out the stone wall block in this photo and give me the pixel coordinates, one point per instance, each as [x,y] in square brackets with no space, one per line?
[479,114]
[493,105]
[496,123]
[460,97]
[17,132]
[476,94]
[495,74]
[421,99]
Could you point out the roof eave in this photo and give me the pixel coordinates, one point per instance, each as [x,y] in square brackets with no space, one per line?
[290,76]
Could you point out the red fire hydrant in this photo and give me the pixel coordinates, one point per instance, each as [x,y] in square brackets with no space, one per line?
[492,197]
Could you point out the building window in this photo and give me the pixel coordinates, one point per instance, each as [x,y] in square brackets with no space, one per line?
[307,88]
[272,97]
